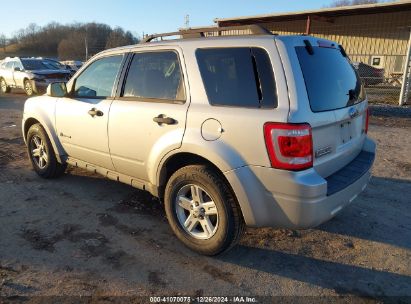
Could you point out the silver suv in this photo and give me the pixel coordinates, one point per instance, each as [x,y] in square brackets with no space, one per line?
[33,75]
[255,130]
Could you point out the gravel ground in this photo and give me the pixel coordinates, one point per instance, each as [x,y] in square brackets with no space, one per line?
[83,235]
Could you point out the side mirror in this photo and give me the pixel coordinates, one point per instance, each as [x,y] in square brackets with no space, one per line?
[57,89]
[17,69]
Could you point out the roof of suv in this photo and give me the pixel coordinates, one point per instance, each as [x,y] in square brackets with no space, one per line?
[191,35]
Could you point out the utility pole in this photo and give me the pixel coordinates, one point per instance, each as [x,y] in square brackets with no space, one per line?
[187,21]
[406,79]
[86,45]
[86,42]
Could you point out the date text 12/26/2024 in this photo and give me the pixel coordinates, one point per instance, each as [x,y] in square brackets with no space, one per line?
[203,299]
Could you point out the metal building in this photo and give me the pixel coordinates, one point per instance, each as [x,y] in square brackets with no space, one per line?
[378,35]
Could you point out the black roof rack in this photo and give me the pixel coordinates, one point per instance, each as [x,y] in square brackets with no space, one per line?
[255,29]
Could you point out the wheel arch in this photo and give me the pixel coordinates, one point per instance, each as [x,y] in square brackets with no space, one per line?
[27,124]
[57,147]
[179,160]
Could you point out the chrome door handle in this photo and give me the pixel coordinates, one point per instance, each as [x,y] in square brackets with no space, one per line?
[94,112]
[163,119]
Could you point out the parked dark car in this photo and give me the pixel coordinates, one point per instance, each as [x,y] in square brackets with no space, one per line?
[55,64]
[369,74]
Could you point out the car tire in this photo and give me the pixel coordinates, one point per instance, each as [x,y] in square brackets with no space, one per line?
[41,153]
[28,88]
[3,86]
[191,190]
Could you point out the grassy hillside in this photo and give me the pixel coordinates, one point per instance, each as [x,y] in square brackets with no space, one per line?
[66,41]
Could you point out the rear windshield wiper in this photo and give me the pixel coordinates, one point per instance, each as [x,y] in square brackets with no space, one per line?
[352,94]
[342,50]
[309,47]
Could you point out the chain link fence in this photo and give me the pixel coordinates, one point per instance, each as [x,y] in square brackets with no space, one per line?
[382,76]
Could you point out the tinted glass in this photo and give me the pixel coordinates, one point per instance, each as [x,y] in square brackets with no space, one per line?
[241,77]
[265,80]
[54,65]
[155,75]
[98,79]
[34,64]
[331,81]
[17,64]
[9,65]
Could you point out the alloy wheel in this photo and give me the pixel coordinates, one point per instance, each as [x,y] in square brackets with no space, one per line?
[38,152]
[3,86]
[28,88]
[196,212]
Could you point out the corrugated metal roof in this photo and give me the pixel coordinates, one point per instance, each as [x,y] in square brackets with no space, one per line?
[325,12]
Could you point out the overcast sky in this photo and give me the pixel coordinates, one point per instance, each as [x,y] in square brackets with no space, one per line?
[138,16]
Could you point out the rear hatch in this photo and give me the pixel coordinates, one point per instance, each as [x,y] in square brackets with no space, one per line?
[328,94]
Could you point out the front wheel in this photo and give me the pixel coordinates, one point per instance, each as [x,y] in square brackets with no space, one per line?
[41,153]
[28,88]
[202,211]
[3,86]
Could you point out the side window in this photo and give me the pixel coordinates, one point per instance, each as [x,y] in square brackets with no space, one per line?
[155,75]
[9,65]
[17,64]
[98,79]
[239,77]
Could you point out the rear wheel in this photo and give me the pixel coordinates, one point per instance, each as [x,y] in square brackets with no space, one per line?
[41,153]
[3,86]
[28,88]
[201,210]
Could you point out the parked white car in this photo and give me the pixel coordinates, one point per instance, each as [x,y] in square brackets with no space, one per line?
[33,75]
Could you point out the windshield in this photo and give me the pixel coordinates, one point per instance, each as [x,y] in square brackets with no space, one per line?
[54,65]
[36,64]
[331,81]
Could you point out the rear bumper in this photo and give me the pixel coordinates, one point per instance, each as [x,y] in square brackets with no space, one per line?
[276,198]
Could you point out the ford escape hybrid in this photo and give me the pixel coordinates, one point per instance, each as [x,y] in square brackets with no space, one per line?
[254,130]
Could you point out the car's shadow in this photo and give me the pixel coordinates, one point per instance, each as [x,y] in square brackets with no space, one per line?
[342,278]
[370,222]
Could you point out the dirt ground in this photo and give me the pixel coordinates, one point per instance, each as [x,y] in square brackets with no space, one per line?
[82,235]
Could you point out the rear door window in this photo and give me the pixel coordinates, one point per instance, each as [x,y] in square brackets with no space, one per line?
[330,79]
[238,77]
[155,76]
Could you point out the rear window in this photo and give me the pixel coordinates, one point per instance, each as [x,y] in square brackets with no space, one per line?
[238,77]
[331,81]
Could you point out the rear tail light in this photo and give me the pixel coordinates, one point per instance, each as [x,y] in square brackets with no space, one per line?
[367,119]
[289,146]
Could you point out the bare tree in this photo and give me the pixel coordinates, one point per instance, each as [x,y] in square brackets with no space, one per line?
[359,2]
[338,3]
[69,41]
[119,38]
[72,47]
[3,42]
